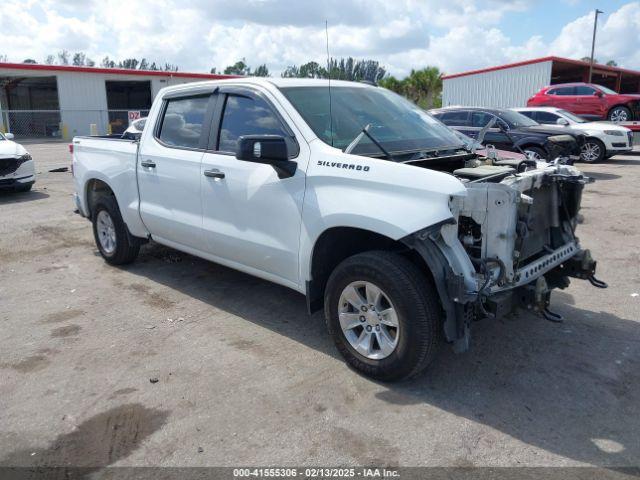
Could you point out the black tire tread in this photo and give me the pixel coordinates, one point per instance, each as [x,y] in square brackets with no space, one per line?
[127,246]
[419,292]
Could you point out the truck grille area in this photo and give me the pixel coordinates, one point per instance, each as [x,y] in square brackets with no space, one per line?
[9,165]
[535,221]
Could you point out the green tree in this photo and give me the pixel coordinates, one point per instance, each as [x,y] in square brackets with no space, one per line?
[422,87]
[261,71]
[238,68]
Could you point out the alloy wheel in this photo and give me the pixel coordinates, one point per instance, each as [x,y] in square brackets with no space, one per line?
[590,152]
[369,320]
[106,232]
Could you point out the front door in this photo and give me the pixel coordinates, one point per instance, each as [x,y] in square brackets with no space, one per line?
[169,170]
[251,217]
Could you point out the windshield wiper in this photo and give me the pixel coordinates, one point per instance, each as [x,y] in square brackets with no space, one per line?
[365,132]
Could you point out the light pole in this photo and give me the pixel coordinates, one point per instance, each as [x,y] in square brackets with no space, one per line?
[593,42]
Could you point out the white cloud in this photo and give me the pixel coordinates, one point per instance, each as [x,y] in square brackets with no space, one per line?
[455,35]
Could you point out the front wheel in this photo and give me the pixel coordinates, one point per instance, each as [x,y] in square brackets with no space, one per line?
[383,314]
[116,245]
[619,114]
[592,151]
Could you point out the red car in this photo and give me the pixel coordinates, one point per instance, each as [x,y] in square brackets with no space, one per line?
[590,101]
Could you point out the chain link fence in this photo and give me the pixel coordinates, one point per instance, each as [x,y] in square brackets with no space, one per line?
[65,124]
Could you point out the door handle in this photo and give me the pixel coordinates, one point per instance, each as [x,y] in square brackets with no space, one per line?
[148,164]
[213,173]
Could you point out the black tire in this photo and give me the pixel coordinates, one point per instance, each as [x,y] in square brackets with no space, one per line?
[126,246]
[413,296]
[596,144]
[619,114]
[539,151]
[23,188]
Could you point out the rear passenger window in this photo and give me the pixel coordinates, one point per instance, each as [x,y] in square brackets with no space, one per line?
[182,122]
[247,116]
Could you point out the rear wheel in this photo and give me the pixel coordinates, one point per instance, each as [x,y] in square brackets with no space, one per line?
[383,314]
[592,151]
[116,245]
[535,153]
[619,114]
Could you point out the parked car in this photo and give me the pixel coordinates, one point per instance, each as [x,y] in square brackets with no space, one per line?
[17,171]
[590,101]
[512,131]
[135,129]
[371,208]
[603,140]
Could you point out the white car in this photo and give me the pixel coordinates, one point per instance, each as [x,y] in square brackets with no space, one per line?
[135,129]
[603,140]
[17,170]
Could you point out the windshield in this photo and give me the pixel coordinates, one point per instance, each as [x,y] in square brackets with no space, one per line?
[515,119]
[397,124]
[572,117]
[606,90]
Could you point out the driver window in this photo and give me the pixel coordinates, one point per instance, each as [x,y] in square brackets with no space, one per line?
[547,118]
[480,119]
[247,116]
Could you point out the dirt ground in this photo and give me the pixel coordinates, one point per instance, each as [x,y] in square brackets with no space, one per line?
[245,377]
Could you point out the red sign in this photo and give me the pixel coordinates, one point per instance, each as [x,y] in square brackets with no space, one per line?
[133,115]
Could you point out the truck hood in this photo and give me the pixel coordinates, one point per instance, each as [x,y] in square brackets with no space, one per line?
[11,149]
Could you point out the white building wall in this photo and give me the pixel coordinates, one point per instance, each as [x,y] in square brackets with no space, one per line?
[506,88]
[83,95]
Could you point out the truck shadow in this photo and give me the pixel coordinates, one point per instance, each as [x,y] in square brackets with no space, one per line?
[571,389]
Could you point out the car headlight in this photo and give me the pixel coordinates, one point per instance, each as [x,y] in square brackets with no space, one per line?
[24,158]
[615,133]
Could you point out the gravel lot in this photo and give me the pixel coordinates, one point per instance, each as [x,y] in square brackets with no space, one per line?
[245,377]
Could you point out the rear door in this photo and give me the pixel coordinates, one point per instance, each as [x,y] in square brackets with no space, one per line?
[169,170]
[251,217]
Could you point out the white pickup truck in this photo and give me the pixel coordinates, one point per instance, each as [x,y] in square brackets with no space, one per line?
[348,194]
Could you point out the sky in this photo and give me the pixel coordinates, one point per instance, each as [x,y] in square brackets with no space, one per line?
[454,35]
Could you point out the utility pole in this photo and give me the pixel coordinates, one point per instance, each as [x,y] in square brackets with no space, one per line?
[593,42]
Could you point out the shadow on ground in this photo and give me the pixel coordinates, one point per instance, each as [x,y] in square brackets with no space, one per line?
[9,196]
[572,389]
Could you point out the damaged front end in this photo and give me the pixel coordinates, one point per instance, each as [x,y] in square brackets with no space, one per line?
[510,242]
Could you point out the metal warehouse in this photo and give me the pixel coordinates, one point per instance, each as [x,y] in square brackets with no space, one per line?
[55,101]
[511,85]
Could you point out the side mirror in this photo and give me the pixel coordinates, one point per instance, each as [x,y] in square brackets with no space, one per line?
[599,94]
[562,121]
[268,149]
[8,136]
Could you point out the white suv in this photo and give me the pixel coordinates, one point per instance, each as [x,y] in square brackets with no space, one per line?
[17,170]
[603,140]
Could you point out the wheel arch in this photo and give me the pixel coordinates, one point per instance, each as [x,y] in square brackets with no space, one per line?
[613,107]
[336,244]
[94,189]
